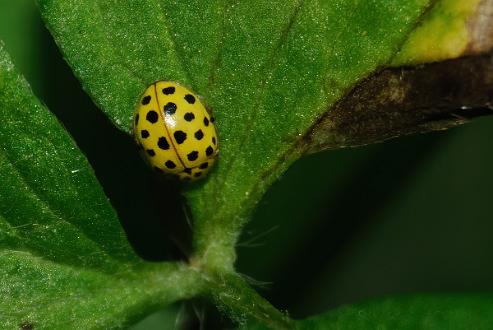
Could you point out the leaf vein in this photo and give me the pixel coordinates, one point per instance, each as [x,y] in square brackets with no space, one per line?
[115,49]
[220,46]
[174,46]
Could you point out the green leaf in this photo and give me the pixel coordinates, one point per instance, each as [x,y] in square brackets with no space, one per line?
[268,70]
[52,204]
[64,258]
[417,312]
[49,295]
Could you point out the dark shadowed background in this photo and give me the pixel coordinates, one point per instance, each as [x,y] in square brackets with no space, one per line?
[410,215]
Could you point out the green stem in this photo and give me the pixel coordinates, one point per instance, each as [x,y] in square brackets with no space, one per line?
[236,298]
[215,249]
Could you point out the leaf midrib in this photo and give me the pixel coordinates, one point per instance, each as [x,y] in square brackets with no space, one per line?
[268,68]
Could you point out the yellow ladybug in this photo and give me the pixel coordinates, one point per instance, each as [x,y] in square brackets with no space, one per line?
[175,131]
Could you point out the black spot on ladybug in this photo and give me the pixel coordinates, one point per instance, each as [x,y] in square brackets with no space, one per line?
[169,108]
[197,174]
[152,116]
[190,98]
[168,90]
[146,99]
[193,156]
[157,169]
[188,171]
[206,121]
[199,134]
[214,140]
[180,136]
[209,151]
[144,134]
[151,152]
[136,119]
[203,166]
[163,143]
[189,116]
[169,164]
[213,119]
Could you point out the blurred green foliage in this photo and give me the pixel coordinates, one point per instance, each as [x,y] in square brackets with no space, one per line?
[410,215]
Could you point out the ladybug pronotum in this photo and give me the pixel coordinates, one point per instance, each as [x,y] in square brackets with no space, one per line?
[175,131]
